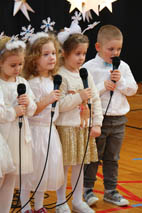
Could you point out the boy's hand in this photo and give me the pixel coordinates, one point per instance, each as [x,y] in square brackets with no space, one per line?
[109,85]
[115,75]
[23,100]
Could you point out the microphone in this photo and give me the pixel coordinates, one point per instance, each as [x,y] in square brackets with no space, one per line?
[115,65]
[115,62]
[21,89]
[57,80]
[84,76]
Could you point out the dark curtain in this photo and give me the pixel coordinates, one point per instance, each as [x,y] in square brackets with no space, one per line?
[126,16]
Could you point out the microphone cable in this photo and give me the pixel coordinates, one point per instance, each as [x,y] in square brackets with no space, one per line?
[20,175]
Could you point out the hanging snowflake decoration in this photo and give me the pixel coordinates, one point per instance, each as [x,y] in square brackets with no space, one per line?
[47,25]
[27,32]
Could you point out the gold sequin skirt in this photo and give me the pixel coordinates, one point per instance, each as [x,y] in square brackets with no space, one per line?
[74,140]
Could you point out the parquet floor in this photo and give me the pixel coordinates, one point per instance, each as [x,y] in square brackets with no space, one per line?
[130,166]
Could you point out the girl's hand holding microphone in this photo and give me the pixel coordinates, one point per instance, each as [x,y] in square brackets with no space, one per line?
[20,110]
[85,94]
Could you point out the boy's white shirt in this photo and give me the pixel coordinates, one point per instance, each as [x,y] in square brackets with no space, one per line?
[126,86]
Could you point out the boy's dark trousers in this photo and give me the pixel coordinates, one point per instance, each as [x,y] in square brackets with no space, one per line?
[108,145]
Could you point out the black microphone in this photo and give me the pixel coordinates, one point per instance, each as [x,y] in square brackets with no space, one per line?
[21,89]
[115,62]
[84,76]
[115,65]
[57,80]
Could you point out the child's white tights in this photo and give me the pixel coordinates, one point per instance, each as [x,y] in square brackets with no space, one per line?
[77,195]
[6,193]
[38,200]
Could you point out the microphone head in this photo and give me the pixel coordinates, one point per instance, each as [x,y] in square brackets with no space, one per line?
[84,76]
[83,73]
[21,89]
[115,62]
[57,80]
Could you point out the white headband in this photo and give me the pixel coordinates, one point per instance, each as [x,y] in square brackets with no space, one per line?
[74,28]
[36,36]
[12,44]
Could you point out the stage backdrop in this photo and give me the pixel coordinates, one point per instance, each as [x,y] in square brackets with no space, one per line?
[125,15]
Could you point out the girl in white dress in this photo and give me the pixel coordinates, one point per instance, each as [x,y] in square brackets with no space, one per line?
[40,66]
[11,62]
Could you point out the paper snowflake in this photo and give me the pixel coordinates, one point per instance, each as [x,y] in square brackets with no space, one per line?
[47,24]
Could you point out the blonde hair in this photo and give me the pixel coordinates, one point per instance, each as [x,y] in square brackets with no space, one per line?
[5,53]
[34,51]
[109,32]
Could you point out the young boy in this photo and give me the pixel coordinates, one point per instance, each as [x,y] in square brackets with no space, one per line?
[120,82]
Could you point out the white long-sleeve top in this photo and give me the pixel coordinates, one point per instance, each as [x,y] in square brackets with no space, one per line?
[8,100]
[69,103]
[126,86]
[9,127]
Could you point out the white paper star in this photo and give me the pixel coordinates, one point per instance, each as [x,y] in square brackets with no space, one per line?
[106,3]
[23,6]
[76,4]
[84,6]
[93,4]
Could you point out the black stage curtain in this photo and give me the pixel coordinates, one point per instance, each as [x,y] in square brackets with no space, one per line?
[126,16]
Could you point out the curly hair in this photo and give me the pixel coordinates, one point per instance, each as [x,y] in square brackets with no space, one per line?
[33,53]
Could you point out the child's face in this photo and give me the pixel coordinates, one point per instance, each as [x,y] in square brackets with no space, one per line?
[47,60]
[76,58]
[12,66]
[109,49]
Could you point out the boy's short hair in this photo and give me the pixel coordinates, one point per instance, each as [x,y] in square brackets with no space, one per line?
[109,32]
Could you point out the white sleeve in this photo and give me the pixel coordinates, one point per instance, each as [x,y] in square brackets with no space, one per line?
[97,114]
[127,84]
[68,101]
[32,104]
[7,113]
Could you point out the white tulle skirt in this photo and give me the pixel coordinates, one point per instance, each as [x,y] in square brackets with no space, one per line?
[53,176]
[6,162]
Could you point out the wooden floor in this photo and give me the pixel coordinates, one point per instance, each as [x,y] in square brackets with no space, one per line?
[130,166]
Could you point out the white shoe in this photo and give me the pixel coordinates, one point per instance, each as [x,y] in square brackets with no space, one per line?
[115,198]
[82,207]
[90,197]
[64,208]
